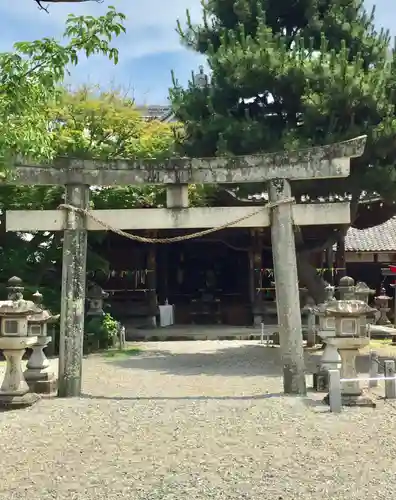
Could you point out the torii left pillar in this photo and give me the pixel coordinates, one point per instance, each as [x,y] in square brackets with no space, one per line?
[73,292]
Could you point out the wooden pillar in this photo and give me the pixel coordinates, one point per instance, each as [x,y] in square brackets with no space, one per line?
[152,280]
[330,275]
[73,293]
[340,256]
[255,264]
[287,291]
[165,271]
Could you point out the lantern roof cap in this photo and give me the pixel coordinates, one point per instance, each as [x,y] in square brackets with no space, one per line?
[43,316]
[349,308]
[19,307]
[383,295]
[346,281]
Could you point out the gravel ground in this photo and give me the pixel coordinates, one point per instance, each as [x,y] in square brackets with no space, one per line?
[194,420]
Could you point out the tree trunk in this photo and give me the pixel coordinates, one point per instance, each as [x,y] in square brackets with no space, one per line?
[309,278]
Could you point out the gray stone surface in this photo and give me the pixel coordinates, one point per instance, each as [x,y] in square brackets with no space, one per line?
[17,402]
[319,162]
[196,420]
[49,386]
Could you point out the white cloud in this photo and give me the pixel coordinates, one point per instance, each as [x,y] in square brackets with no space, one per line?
[150,23]
[150,37]
[151,32]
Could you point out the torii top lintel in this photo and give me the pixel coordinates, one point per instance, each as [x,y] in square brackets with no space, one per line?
[319,162]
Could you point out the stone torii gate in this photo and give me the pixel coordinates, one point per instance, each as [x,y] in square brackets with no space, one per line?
[278,169]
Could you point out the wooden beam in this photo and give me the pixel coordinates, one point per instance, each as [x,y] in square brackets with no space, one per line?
[188,218]
[320,162]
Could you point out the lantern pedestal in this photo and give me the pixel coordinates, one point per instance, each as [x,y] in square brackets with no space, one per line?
[38,374]
[351,392]
[331,359]
[14,391]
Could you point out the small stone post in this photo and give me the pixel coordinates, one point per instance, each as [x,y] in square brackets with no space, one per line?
[38,374]
[390,385]
[335,401]
[73,293]
[374,362]
[287,291]
[121,336]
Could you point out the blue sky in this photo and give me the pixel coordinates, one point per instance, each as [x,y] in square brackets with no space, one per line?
[149,50]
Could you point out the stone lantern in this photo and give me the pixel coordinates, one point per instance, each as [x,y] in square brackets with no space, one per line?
[304,297]
[330,358]
[363,292]
[348,340]
[308,311]
[39,375]
[201,79]
[96,296]
[381,303]
[14,340]
[346,288]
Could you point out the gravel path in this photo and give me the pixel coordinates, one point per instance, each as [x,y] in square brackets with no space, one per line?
[192,421]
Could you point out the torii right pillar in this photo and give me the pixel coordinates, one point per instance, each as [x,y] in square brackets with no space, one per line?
[324,165]
[287,289]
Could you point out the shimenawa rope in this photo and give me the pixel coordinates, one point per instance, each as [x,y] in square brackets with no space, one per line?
[175,239]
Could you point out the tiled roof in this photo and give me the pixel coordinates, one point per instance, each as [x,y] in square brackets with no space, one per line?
[155,112]
[380,238]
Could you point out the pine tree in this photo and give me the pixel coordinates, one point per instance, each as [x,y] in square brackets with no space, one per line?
[290,74]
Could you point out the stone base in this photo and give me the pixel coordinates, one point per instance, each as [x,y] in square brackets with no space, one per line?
[354,400]
[321,381]
[43,386]
[10,402]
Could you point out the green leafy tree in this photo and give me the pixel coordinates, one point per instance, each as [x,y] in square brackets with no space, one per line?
[287,75]
[106,125]
[30,77]
[86,124]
